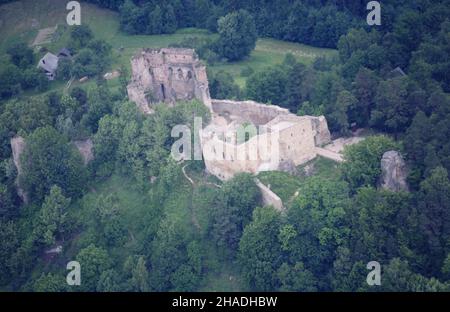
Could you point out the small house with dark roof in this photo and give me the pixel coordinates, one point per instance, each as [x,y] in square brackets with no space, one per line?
[49,63]
[64,52]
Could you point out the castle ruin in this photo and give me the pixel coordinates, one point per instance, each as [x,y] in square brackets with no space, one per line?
[245,136]
[276,139]
[167,75]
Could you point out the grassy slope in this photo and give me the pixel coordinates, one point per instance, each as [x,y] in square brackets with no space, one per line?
[142,220]
[285,185]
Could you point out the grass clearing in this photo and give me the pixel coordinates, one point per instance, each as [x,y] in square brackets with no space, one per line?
[322,167]
[285,184]
[281,183]
[269,52]
[139,216]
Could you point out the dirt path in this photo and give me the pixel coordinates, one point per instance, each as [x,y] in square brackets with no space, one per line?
[194,185]
[194,218]
[44,36]
[192,181]
[186,176]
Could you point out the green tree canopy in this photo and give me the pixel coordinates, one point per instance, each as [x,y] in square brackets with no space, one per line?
[237,35]
[93,262]
[49,159]
[259,249]
[52,218]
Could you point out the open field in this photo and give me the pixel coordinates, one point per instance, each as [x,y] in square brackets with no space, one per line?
[269,52]
[22,20]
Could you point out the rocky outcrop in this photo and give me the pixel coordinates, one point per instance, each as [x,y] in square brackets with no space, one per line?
[320,126]
[18,146]
[85,149]
[393,172]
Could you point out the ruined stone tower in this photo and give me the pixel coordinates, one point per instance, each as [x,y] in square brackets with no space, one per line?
[167,75]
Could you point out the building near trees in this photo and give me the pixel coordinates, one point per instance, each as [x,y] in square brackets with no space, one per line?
[282,140]
[252,137]
[49,63]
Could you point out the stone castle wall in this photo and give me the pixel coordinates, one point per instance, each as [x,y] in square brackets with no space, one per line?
[170,75]
[282,137]
[269,198]
[167,75]
[250,111]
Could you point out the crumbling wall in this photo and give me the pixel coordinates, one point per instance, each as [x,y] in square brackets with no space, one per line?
[318,125]
[297,141]
[224,159]
[167,75]
[283,137]
[322,133]
[269,198]
[253,112]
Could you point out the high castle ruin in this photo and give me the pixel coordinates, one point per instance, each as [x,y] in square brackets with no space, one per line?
[167,75]
[282,139]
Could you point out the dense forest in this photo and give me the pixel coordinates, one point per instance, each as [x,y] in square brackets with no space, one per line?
[392,79]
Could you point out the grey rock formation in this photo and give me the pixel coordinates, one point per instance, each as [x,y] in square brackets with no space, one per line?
[86,150]
[323,135]
[55,250]
[17,146]
[393,172]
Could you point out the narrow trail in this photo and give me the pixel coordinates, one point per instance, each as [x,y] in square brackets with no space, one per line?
[194,185]
[186,176]
[192,181]
[213,184]
[194,218]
